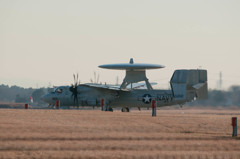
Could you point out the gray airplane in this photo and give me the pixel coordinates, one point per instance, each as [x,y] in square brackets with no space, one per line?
[186,86]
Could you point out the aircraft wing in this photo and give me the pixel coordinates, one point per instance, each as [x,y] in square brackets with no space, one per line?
[116,87]
[103,86]
[141,85]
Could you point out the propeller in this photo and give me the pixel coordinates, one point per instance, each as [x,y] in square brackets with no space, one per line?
[95,78]
[74,90]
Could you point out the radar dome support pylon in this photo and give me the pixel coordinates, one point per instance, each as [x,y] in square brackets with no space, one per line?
[134,76]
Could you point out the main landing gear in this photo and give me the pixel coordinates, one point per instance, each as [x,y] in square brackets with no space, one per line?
[125,109]
[108,109]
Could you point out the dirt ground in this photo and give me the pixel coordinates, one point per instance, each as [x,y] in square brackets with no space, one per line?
[172,134]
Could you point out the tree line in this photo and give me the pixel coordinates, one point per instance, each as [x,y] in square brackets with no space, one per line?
[225,98]
[230,97]
[22,95]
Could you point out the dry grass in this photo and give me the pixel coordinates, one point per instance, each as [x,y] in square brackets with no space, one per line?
[173,134]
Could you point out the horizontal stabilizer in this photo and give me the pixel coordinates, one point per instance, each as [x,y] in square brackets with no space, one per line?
[199,85]
[201,90]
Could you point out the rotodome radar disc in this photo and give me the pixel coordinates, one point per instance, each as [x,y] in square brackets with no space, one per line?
[131,66]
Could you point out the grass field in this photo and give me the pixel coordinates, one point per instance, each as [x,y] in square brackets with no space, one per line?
[173,134]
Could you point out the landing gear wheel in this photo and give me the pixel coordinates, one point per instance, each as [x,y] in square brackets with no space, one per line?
[126,109]
[109,109]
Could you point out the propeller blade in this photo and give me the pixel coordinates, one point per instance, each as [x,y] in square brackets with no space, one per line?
[74,89]
[94,76]
[74,78]
[98,78]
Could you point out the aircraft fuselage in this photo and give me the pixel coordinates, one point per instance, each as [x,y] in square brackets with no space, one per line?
[89,96]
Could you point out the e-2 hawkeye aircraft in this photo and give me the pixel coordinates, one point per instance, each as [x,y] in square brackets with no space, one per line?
[186,86]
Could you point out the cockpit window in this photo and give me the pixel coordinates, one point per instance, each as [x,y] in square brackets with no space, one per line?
[59,90]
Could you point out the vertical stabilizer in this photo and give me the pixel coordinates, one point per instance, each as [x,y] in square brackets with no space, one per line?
[189,84]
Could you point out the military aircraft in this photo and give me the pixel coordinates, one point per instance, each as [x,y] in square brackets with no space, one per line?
[186,86]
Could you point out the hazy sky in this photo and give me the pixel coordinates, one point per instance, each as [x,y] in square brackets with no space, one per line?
[46,41]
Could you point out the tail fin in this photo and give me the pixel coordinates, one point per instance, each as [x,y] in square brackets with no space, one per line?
[188,84]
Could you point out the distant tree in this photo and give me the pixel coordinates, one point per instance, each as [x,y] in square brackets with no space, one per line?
[215,98]
[4,92]
[37,94]
[49,90]
[20,99]
[14,93]
[218,98]
[234,92]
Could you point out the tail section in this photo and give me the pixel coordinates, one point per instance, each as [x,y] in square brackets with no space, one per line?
[189,84]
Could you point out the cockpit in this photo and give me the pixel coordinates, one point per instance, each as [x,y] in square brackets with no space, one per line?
[61,90]
[58,90]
